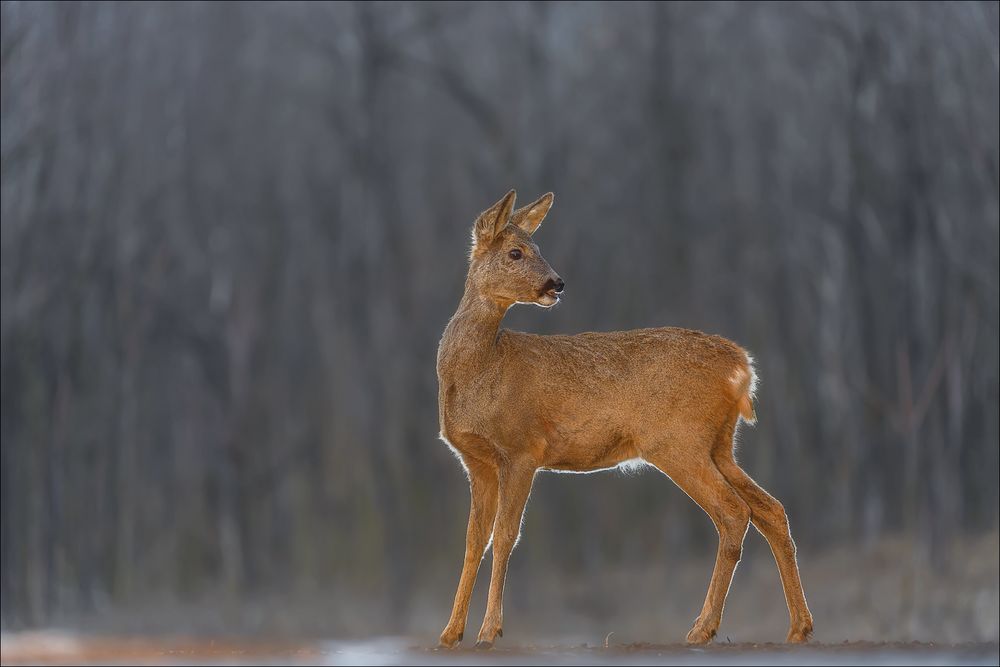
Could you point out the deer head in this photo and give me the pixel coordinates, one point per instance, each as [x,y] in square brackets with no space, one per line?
[506,265]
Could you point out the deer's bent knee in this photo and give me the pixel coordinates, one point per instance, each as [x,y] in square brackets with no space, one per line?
[732,550]
[736,518]
[733,528]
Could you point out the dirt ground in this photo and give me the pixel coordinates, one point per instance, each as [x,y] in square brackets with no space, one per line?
[47,648]
[879,599]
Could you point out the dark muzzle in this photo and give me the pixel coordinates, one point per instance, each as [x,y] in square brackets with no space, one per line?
[554,285]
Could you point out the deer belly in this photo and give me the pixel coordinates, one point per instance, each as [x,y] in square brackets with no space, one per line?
[587,452]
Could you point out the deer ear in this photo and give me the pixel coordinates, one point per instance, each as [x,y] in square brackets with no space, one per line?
[529,217]
[491,221]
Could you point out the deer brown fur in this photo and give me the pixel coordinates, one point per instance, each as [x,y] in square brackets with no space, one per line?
[514,403]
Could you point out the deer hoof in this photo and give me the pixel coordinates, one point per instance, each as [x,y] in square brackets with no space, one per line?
[450,642]
[800,634]
[699,635]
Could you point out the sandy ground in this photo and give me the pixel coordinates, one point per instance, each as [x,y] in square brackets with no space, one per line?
[61,648]
[878,598]
[880,593]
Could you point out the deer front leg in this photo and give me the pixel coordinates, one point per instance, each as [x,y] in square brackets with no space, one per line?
[483,486]
[515,486]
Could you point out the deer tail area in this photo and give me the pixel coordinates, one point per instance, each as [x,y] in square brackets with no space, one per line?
[744,381]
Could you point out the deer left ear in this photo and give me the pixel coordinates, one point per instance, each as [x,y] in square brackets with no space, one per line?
[491,222]
[530,217]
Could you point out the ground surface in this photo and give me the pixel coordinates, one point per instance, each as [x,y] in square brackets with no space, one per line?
[54,648]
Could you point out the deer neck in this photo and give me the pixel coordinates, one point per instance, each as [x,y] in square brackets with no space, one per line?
[470,339]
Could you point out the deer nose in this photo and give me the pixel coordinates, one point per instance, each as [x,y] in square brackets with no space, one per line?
[560,285]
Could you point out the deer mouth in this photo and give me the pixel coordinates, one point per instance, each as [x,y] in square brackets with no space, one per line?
[548,295]
[548,298]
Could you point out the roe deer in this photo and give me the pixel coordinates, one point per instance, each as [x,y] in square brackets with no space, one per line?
[512,403]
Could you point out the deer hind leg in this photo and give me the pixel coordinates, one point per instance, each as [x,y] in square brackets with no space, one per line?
[483,484]
[700,479]
[769,518]
[515,486]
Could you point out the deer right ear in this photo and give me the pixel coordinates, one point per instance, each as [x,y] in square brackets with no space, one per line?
[491,222]
[529,217]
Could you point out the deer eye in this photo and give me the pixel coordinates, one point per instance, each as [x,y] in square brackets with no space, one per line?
[514,254]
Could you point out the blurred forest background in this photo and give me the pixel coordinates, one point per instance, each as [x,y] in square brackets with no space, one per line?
[232,235]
